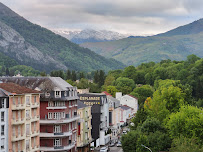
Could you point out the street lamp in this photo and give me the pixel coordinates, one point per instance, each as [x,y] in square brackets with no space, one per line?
[146,147]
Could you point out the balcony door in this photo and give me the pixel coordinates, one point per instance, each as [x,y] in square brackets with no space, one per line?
[57,142]
[57,129]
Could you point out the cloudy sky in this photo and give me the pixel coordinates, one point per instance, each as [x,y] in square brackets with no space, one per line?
[137,17]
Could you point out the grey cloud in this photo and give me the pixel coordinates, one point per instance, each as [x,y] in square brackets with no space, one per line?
[131,16]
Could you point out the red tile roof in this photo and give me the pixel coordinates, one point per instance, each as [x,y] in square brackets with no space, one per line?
[133,96]
[105,92]
[16,89]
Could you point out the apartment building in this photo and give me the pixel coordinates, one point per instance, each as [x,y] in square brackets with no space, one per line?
[100,116]
[4,105]
[23,117]
[84,137]
[58,111]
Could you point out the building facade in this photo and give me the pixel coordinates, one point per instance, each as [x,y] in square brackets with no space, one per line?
[84,137]
[100,116]
[4,106]
[58,111]
[23,117]
[128,100]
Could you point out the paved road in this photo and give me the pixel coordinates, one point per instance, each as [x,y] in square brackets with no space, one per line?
[116,149]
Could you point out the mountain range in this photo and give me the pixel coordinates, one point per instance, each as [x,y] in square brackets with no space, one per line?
[90,35]
[175,44]
[32,45]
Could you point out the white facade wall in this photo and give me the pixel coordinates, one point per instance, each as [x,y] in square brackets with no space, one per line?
[4,138]
[130,102]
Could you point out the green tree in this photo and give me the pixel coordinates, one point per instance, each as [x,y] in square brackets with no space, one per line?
[187,122]
[111,90]
[183,144]
[125,85]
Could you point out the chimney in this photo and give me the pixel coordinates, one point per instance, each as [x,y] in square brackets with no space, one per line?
[118,95]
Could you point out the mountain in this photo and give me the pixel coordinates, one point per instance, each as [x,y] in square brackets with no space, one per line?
[89,35]
[35,46]
[175,44]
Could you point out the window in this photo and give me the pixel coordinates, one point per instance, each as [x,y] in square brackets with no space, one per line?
[14,115]
[57,142]
[65,93]
[35,99]
[57,94]
[34,141]
[3,103]
[2,130]
[14,132]
[49,104]
[19,100]
[14,146]
[19,115]
[86,136]
[27,114]
[2,116]
[49,115]
[27,145]
[86,124]
[27,129]
[57,129]
[35,112]
[19,145]
[2,143]
[27,100]
[34,125]
[57,115]
[63,115]
[19,130]
[14,100]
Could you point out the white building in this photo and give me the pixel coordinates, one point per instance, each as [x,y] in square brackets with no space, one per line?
[4,105]
[128,100]
[125,114]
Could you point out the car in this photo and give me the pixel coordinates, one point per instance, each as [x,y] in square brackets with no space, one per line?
[112,144]
[119,144]
[124,132]
[104,149]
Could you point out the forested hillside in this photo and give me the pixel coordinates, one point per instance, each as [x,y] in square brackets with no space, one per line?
[176,44]
[43,49]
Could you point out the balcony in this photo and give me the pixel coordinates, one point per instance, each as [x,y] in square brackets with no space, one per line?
[18,137]
[35,105]
[63,134]
[18,121]
[60,148]
[35,118]
[35,148]
[18,107]
[35,133]
[60,121]
[57,107]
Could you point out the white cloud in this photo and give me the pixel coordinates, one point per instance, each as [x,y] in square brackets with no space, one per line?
[127,16]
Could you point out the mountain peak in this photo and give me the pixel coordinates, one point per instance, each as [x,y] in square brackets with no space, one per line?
[5,11]
[191,28]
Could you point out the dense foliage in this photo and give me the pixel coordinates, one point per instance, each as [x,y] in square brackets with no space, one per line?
[169,94]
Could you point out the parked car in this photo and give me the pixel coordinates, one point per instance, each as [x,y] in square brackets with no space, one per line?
[112,143]
[104,149]
[119,144]
[124,132]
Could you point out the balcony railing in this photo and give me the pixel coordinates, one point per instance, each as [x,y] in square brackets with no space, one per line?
[35,148]
[35,105]
[18,121]
[60,121]
[63,134]
[56,107]
[18,107]
[18,137]
[35,133]
[35,118]
[57,148]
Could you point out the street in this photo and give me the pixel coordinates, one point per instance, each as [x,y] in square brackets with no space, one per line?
[116,149]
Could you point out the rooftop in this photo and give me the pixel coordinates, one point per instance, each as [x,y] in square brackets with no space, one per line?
[39,83]
[125,107]
[16,89]
[81,105]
